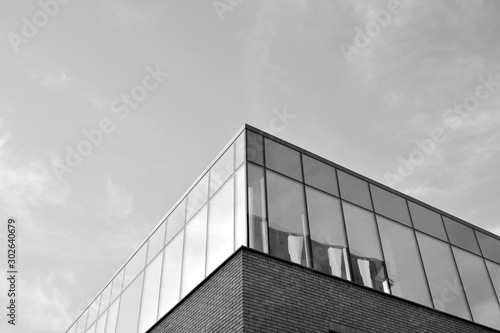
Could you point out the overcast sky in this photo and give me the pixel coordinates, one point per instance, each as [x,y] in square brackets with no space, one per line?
[161,86]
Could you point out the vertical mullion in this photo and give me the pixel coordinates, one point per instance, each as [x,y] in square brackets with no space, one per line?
[348,250]
[307,238]
[420,256]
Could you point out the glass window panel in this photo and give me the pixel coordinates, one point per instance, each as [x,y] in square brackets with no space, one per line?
[105,297]
[128,316]
[240,220]
[328,241]
[461,235]
[156,242]
[446,288]
[91,329]
[239,150]
[390,205]
[320,175]
[283,159]
[92,311]
[193,264]
[197,197]
[81,323]
[494,270]
[117,285]
[490,246]
[288,227]
[171,274]
[176,220]
[257,209]
[478,289]
[366,255]
[354,190]
[134,266]
[402,259]
[427,221]
[150,294]
[220,238]
[112,317]
[222,170]
[255,150]
[101,323]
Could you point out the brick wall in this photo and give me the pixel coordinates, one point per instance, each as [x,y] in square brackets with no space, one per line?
[253,293]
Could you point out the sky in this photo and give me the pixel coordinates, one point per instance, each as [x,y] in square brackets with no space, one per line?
[110,109]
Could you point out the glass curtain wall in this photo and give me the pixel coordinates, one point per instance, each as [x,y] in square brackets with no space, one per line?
[304,210]
[200,232]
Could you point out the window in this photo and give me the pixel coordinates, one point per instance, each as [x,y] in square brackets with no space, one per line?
[255,150]
[490,246]
[461,235]
[176,220]
[222,170]
[156,242]
[171,274]
[354,190]
[328,241]
[197,197]
[427,221]
[283,159]
[288,227]
[134,266]
[128,316]
[478,288]
[403,262]
[257,216]
[446,289]
[112,317]
[366,255]
[320,175]
[151,294]
[390,205]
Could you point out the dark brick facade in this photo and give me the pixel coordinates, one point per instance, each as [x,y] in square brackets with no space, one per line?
[253,292]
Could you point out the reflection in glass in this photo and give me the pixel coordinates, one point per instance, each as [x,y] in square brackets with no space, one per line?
[81,323]
[239,150]
[176,220]
[461,235]
[171,274]
[427,221]
[128,316]
[197,197]
[390,205]
[490,246]
[92,311]
[283,159]
[101,323]
[478,289]
[220,237]
[354,190]
[222,170]
[446,288]
[240,220]
[366,255]
[105,297]
[91,329]
[150,294]
[112,317]
[193,263]
[328,241]
[117,285]
[134,266]
[404,267]
[156,242]
[288,227]
[72,329]
[320,175]
[255,150]
[257,227]
[494,270]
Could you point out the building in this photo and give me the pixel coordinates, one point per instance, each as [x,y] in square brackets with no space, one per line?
[272,238]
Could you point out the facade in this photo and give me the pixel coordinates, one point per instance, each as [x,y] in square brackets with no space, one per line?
[271,226]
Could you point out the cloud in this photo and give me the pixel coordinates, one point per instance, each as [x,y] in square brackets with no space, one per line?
[118,200]
[26,181]
[52,80]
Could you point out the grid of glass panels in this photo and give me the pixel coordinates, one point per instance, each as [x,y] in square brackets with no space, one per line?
[206,226]
[307,211]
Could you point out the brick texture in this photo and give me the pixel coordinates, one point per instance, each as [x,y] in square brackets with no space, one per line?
[253,292]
